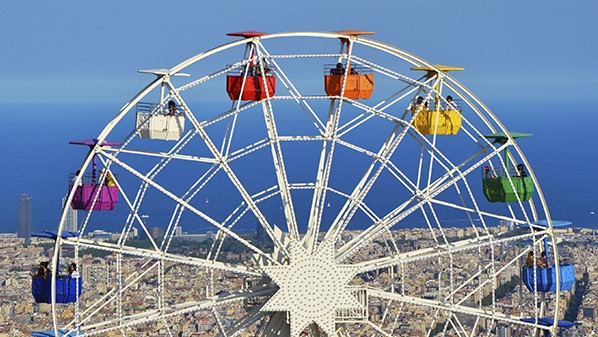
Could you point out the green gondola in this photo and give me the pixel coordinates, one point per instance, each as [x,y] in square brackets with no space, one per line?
[508,185]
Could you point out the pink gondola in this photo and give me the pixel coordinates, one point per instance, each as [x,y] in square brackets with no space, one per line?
[88,190]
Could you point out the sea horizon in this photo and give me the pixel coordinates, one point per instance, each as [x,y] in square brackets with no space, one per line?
[561,155]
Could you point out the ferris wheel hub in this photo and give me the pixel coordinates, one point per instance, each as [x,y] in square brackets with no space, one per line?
[312,288]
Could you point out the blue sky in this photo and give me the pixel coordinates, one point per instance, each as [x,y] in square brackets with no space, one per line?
[69,51]
[66,52]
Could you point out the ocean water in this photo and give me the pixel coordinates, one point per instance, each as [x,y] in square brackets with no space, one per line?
[36,156]
[563,154]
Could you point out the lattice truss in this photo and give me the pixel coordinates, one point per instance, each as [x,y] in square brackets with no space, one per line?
[329,215]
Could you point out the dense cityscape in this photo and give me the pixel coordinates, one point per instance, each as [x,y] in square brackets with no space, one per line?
[20,254]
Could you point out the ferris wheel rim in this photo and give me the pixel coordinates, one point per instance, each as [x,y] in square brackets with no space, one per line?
[181,66]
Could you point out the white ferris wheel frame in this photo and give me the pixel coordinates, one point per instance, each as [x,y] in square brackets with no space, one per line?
[381,225]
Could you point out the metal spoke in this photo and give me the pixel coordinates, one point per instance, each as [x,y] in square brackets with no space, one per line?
[368,153]
[452,308]
[147,253]
[170,311]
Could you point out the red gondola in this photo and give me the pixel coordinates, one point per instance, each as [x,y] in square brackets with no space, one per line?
[253,81]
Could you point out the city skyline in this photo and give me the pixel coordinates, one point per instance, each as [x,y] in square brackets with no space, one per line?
[577,247]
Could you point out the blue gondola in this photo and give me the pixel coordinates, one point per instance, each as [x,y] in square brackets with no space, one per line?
[548,321]
[546,278]
[54,234]
[68,289]
[50,333]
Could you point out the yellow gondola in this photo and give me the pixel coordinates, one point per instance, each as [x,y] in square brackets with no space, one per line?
[434,119]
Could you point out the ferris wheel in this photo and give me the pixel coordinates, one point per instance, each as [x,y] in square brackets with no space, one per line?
[334,184]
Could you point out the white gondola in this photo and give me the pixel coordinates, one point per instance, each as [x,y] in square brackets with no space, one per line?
[155,123]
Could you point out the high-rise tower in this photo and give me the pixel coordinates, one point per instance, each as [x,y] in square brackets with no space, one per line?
[24,224]
[70,223]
